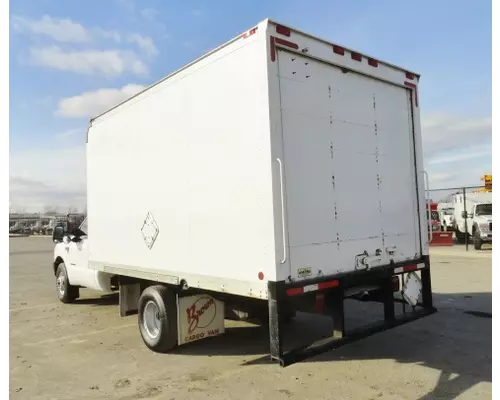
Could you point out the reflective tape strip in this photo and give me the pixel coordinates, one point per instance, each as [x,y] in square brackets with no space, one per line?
[409,268]
[312,288]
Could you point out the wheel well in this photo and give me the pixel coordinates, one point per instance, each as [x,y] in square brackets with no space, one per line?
[58,261]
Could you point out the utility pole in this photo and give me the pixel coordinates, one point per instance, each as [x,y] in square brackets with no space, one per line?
[465,220]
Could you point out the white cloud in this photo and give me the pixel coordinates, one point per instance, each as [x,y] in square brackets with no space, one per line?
[90,104]
[440,178]
[444,133]
[457,149]
[62,30]
[454,158]
[110,62]
[461,175]
[145,43]
[105,34]
[105,62]
[47,177]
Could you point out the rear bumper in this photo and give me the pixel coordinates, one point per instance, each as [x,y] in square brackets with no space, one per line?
[359,277]
[333,296]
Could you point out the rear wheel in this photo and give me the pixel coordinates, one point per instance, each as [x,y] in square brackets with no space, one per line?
[65,292]
[158,318]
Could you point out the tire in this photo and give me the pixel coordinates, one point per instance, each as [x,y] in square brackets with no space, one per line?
[158,318]
[477,241]
[65,292]
[460,237]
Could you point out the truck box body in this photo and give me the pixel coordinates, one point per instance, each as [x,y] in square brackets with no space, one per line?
[276,157]
[471,199]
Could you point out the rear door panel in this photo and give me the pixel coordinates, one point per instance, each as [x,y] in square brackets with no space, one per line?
[349,170]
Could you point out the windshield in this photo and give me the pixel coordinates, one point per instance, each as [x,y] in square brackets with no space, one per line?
[484,209]
[448,212]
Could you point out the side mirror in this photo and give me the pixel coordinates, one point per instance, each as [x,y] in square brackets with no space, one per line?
[464,214]
[58,234]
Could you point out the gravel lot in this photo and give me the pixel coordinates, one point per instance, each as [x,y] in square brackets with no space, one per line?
[86,351]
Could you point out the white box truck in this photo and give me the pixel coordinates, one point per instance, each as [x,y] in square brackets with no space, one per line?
[446,212]
[473,216]
[279,172]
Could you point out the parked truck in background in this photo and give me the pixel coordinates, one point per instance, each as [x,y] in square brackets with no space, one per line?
[446,215]
[434,223]
[277,173]
[473,217]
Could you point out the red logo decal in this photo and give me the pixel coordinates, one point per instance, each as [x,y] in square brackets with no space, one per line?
[201,313]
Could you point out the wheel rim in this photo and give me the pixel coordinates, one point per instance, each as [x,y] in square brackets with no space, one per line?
[61,284]
[151,319]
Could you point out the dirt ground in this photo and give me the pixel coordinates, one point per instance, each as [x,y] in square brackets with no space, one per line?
[86,351]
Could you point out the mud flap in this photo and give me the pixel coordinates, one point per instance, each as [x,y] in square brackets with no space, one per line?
[129,295]
[199,317]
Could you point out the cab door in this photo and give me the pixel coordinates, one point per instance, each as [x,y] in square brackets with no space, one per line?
[78,256]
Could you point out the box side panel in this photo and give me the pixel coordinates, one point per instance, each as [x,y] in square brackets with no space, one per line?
[192,153]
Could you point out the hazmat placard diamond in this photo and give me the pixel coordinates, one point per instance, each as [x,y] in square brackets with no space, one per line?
[150,230]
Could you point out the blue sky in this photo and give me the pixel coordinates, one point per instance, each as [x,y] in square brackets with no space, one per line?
[70,59]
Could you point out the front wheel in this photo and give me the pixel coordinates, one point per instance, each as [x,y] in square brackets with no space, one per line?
[158,318]
[460,236]
[65,291]
[477,241]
